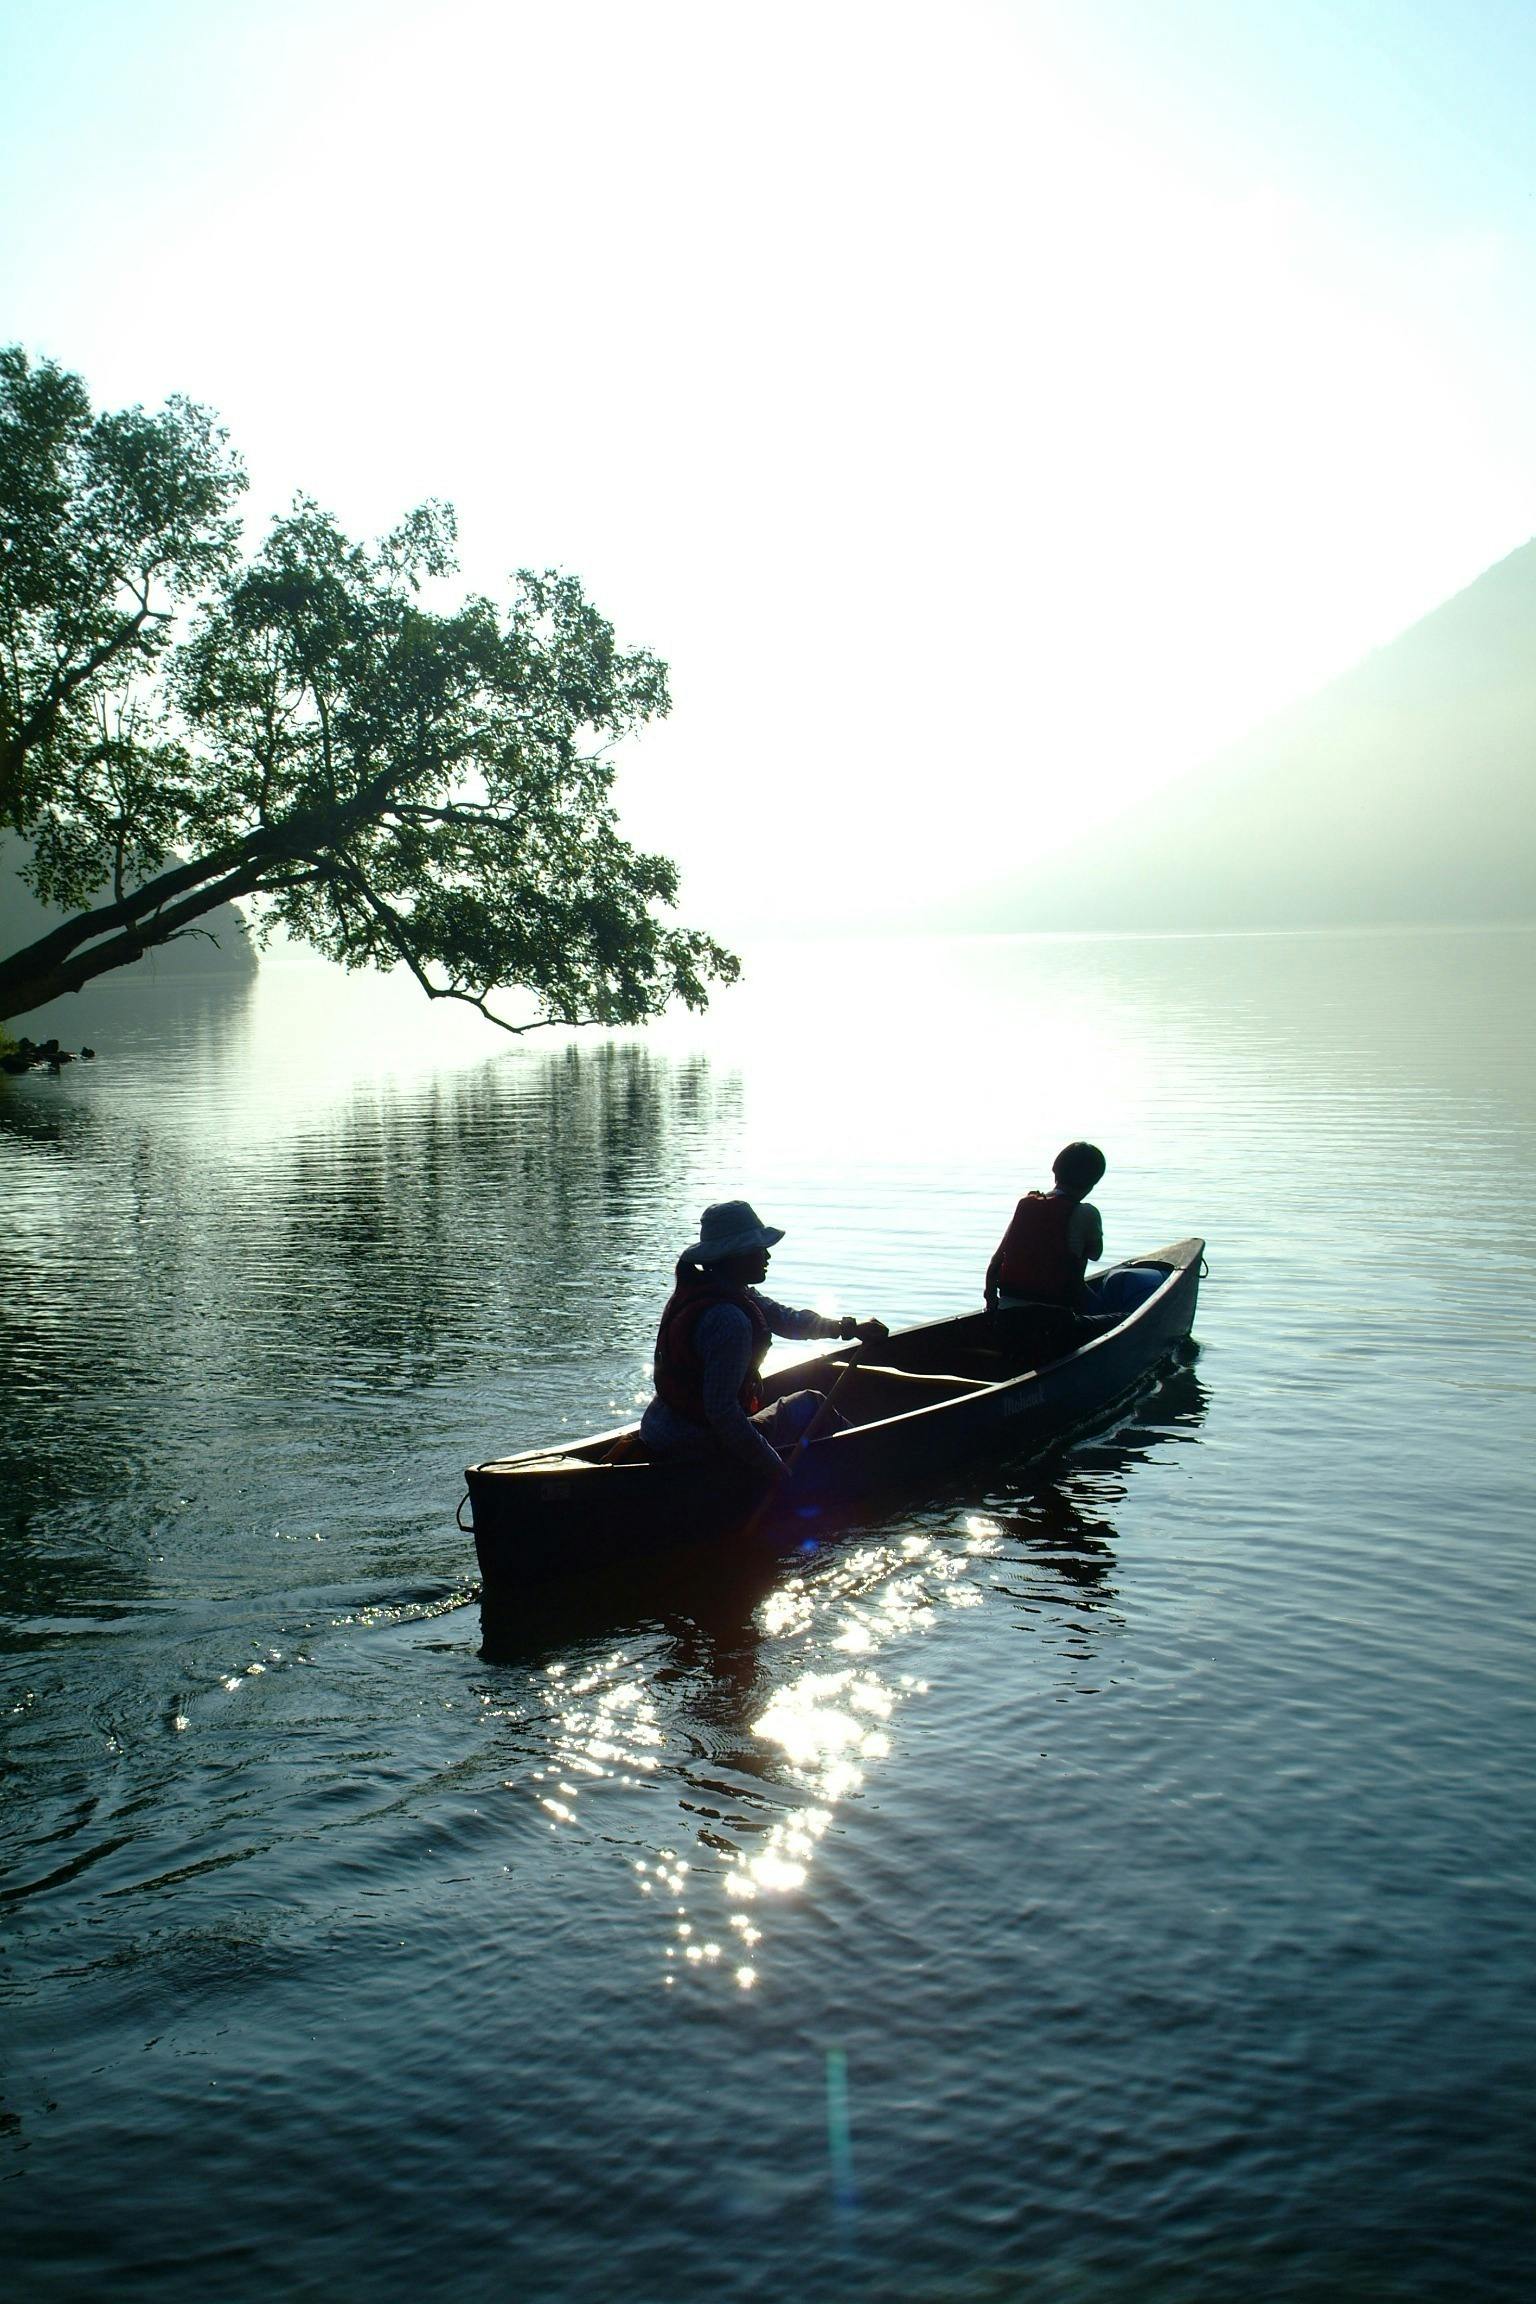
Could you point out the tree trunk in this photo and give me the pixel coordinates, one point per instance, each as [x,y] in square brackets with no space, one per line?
[45,970]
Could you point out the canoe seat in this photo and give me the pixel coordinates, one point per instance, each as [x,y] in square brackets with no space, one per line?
[629,1448]
[539,1467]
[871,1393]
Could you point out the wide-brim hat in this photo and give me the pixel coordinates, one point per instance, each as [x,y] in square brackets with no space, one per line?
[730,1228]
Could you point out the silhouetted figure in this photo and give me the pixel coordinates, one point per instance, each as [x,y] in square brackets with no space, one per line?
[713,1339]
[1037,1287]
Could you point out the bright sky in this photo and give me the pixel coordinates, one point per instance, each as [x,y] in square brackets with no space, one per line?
[987,408]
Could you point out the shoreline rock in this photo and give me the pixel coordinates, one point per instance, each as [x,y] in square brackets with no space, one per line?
[30,1055]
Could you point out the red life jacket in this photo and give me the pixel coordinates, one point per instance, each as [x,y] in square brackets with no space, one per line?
[679,1371]
[1034,1258]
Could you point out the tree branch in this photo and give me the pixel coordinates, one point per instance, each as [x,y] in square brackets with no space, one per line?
[43,718]
[292,839]
[25,985]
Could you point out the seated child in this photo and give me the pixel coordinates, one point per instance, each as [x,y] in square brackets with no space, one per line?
[1041,1263]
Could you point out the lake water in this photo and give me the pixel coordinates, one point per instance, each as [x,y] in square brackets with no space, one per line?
[1112,1886]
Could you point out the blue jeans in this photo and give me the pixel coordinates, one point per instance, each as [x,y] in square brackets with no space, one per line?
[783,1422]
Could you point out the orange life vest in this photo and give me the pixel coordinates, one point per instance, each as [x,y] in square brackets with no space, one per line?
[679,1371]
[1034,1258]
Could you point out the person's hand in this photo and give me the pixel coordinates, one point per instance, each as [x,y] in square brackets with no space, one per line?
[991,1303]
[871,1331]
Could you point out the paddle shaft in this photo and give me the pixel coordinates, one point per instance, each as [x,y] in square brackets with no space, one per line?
[791,1459]
[818,1419]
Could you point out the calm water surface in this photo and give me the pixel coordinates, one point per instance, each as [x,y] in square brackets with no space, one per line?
[1117,1885]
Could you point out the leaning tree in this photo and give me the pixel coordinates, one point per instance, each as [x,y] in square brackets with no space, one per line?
[396,783]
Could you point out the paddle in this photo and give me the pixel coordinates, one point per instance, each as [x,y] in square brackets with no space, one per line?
[820,1417]
[789,1462]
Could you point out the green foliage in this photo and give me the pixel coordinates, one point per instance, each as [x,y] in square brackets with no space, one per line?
[107,523]
[397,785]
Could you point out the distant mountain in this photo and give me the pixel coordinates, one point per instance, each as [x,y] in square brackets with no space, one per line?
[23,918]
[1403,791]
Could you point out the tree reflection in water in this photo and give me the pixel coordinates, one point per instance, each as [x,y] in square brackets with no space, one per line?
[223,1317]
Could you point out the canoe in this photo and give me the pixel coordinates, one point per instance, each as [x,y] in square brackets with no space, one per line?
[942,1398]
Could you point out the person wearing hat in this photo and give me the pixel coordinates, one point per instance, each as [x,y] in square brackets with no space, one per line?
[713,1338]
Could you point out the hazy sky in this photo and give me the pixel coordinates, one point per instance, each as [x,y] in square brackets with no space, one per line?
[987,409]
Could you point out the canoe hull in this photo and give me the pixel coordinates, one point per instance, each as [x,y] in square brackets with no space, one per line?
[547,1518]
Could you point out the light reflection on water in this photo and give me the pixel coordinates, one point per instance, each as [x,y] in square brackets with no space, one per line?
[1126,1875]
[804,1754]
[807,1682]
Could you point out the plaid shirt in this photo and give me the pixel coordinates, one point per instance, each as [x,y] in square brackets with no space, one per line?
[722,1338]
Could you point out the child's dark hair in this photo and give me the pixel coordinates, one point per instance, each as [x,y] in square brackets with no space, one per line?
[1078,1167]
